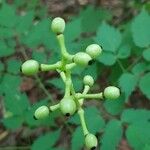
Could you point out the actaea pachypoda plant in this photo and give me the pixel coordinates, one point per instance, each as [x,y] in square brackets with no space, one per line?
[72,101]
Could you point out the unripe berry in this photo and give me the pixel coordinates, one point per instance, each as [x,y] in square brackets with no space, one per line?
[67,106]
[82,59]
[111,92]
[58,25]
[94,50]
[88,80]
[30,67]
[91,141]
[41,113]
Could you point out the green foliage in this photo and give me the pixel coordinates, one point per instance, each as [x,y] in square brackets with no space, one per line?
[112,135]
[77,140]
[126,48]
[138,135]
[140,29]
[127,83]
[46,141]
[144,85]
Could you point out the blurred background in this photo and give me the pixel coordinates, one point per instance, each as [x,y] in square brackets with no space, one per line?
[122,28]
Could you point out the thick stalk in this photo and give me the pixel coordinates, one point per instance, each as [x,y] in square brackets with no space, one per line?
[68,83]
[82,120]
[90,96]
[46,67]
[54,107]
[85,91]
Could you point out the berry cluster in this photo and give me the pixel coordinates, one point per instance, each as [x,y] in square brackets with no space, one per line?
[71,102]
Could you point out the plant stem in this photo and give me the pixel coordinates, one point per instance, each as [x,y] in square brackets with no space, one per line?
[70,66]
[62,75]
[135,62]
[68,83]
[74,96]
[54,107]
[85,91]
[97,96]
[121,66]
[61,41]
[46,67]
[82,119]
[41,85]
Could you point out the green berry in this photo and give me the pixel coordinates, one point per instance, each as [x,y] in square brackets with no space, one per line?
[111,92]
[91,141]
[88,80]
[41,113]
[82,59]
[30,67]
[58,25]
[67,106]
[94,50]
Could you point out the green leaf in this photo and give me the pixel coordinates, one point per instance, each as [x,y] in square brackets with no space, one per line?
[99,15]
[112,135]
[5,50]
[98,120]
[39,56]
[132,116]
[144,85]
[146,147]
[77,141]
[47,141]
[16,103]
[13,66]
[139,68]
[7,13]
[124,52]
[40,34]
[92,70]
[25,22]
[10,84]
[77,82]
[140,29]
[13,122]
[114,107]
[138,135]
[6,32]
[146,54]
[107,58]
[73,29]
[108,37]
[127,83]
[58,83]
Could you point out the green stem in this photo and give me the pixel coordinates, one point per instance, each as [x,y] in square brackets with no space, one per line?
[121,66]
[68,84]
[61,41]
[46,67]
[62,74]
[97,96]
[70,66]
[43,88]
[74,96]
[54,107]
[82,120]
[85,91]
[135,62]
